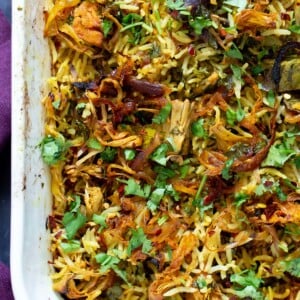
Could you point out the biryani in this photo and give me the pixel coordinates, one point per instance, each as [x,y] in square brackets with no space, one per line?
[172,138]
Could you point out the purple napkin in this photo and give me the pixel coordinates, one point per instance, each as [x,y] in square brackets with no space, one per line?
[5,285]
[5,84]
[5,109]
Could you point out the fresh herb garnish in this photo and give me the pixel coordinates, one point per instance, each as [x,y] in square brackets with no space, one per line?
[233,116]
[129,154]
[177,5]
[292,266]
[56,104]
[163,114]
[159,154]
[70,246]
[199,23]
[234,52]
[110,262]
[108,154]
[270,99]
[198,130]
[100,220]
[74,219]
[240,198]
[155,198]
[138,239]
[106,26]
[53,149]
[226,174]
[94,144]
[134,188]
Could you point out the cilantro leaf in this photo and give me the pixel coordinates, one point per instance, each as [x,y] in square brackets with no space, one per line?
[198,128]
[56,104]
[199,23]
[237,72]
[74,219]
[199,202]
[176,5]
[134,188]
[246,278]
[155,199]
[159,154]
[163,114]
[249,292]
[234,52]
[270,99]
[101,220]
[70,246]
[106,261]
[201,282]
[240,198]
[73,222]
[53,149]
[133,23]
[226,174]
[106,26]
[278,155]
[108,154]
[295,28]
[292,266]
[94,144]
[233,116]
[129,154]
[138,239]
[172,192]
[268,184]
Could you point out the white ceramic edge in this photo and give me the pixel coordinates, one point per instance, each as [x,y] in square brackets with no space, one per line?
[18,142]
[30,185]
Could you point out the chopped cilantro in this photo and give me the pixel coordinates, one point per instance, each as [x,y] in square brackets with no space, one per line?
[133,23]
[94,144]
[56,104]
[159,154]
[171,191]
[295,28]
[138,239]
[246,278]
[233,116]
[237,72]
[279,154]
[234,52]
[74,219]
[154,51]
[199,202]
[101,220]
[240,198]
[176,5]
[162,220]
[270,99]
[226,174]
[163,114]
[134,188]
[53,149]
[199,23]
[110,262]
[292,266]
[256,70]
[106,26]
[70,246]
[129,154]
[155,199]
[249,292]
[201,282]
[268,184]
[108,154]
[197,128]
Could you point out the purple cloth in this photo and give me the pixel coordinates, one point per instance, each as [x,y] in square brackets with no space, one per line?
[5,82]
[5,111]
[5,285]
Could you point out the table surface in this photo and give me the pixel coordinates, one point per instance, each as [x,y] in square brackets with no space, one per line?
[5,6]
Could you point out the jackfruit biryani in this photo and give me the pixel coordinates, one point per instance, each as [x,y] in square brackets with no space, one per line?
[172,134]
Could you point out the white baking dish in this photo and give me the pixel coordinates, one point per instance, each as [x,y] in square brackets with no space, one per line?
[31,199]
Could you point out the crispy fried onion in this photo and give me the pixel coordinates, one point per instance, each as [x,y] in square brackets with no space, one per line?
[107,136]
[252,20]
[167,279]
[65,283]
